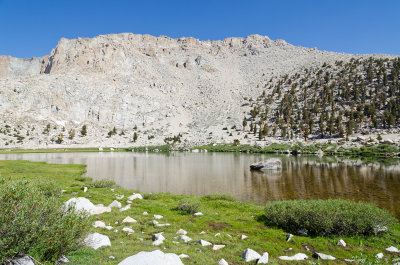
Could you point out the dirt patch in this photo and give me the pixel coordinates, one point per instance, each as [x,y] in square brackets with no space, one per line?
[217,226]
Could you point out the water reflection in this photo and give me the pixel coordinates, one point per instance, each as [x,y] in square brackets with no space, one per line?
[204,173]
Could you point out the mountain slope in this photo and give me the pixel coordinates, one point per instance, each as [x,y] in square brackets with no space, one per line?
[157,87]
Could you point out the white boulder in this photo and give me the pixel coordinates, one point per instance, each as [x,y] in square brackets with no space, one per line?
[184,238]
[135,196]
[129,219]
[203,243]
[298,256]
[249,255]
[392,249]
[83,204]
[156,257]
[263,259]
[115,204]
[218,247]
[181,232]
[25,260]
[222,262]
[156,216]
[127,207]
[96,241]
[341,243]
[324,256]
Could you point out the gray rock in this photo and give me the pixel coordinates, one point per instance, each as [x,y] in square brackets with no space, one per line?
[269,164]
[156,257]
[83,204]
[263,259]
[249,255]
[298,256]
[115,203]
[63,259]
[158,236]
[218,247]
[379,255]
[289,237]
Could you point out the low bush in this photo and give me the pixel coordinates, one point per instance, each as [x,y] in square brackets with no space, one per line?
[189,207]
[34,221]
[151,196]
[103,183]
[328,217]
[219,197]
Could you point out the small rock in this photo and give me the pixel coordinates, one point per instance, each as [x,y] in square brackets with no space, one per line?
[97,240]
[158,236]
[111,257]
[135,196]
[323,256]
[302,232]
[156,216]
[218,247]
[217,234]
[379,255]
[183,256]
[127,207]
[249,255]
[128,229]
[184,238]
[145,213]
[108,227]
[263,259]
[154,222]
[85,189]
[63,259]
[157,242]
[115,203]
[222,262]
[198,214]
[289,237]
[161,225]
[341,243]
[129,219]
[99,224]
[202,232]
[119,197]
[298,256]
[349,260]
[181,232]
[25,260]
[243,237]
[392,249]
[116,231]
[156,257]
[204,243]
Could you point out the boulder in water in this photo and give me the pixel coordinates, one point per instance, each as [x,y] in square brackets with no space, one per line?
[269,164]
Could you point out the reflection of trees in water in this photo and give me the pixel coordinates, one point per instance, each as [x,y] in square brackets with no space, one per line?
[311,178]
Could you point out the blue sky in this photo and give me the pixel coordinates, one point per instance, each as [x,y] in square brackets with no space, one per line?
[32,28]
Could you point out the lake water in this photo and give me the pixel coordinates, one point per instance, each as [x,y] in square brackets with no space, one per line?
[302,177]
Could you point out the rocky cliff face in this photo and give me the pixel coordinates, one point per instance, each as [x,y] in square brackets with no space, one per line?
[156,86]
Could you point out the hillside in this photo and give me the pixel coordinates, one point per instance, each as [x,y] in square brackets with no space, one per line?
[128,89]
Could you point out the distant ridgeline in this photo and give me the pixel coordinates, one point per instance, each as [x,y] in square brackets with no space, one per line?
[333,100]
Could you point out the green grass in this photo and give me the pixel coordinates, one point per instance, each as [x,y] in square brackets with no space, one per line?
[221,215]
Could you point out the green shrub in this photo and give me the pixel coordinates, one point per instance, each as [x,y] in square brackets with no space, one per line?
[219,197]
[151,196]
[102,183]
[189,207]
[33,221]
[327,217]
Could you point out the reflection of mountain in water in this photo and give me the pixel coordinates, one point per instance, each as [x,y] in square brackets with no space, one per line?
[301,177]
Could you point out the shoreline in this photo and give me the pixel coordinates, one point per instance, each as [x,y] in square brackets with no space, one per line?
[381,150]
[224,221]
